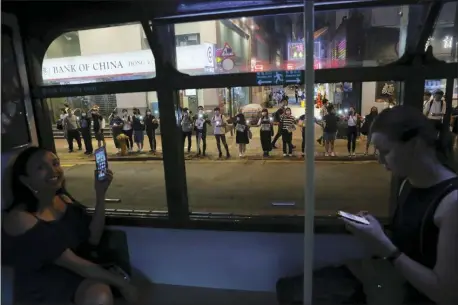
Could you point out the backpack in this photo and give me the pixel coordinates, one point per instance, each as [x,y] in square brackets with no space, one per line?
[60,124]
[430,104]
[186,124]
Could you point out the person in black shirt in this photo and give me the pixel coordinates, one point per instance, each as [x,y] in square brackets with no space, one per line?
[330,130]
[277,119]
[85,129]
[97,126]
[266,132]
[242,136]
[139,128]
[365,128]
[116,124]
[302,125]
[151,125]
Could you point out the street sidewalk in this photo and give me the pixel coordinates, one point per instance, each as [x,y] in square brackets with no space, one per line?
[254,150]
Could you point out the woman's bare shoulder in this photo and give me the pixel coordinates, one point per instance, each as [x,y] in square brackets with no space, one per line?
[18,222]
[447,208]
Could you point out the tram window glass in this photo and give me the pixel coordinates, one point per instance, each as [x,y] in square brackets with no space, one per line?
[15,128]
[99,55]
[253,184]
[139,185]
[444,39]
[362,37]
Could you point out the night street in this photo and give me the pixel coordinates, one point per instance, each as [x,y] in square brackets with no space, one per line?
[242,187]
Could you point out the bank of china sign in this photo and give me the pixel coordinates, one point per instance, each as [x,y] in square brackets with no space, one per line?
[190,59]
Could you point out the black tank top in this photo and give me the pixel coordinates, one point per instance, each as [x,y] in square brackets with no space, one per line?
[414,230]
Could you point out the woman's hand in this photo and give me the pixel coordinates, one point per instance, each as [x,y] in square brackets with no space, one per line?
[372,235]
[130,293]
[101,186]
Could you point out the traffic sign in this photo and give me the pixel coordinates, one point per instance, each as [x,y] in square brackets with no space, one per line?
[279,77]
[264,78]
[293,77]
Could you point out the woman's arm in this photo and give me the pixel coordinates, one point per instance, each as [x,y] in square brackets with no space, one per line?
[89,270]
[97,225]
[441,283]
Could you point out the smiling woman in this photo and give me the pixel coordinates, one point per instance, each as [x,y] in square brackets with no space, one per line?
[45,219]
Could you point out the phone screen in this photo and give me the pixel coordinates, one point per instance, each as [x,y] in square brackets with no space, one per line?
[353,217]
[101,162]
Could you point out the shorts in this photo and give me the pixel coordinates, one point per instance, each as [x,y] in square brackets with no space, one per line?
[329,136]
[99,136]
[138,136]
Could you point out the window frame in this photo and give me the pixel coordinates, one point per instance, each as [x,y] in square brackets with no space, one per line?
[180,81]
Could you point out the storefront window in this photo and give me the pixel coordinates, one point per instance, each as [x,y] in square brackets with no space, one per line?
[103,54]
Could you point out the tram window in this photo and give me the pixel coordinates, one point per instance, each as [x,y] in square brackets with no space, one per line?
[251,183]
[444,39]
[344,38]
[139,185]
[99,55]
[15,128]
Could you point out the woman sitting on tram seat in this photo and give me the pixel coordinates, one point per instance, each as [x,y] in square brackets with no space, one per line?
[44,228]
[418,262]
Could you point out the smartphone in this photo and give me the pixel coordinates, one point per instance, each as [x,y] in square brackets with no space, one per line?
[353,217]
[101,163]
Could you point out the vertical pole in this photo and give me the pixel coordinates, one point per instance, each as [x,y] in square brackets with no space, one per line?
[309,204]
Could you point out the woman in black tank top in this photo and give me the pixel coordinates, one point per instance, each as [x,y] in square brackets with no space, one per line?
[423,244]
[44,233]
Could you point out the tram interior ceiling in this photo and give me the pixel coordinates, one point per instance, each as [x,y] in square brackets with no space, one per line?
[167,56]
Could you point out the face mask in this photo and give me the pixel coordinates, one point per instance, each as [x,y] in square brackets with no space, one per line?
[201,110]
[148,113]
[217,112]
[83,114]
[264,114]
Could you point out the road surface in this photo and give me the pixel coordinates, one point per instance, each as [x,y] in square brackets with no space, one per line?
[242,187]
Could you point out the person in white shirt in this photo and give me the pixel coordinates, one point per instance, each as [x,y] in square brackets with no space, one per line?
[352,131]
[219,130]
[127,129]
[435,108]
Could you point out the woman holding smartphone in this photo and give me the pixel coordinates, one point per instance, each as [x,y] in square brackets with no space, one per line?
[45,220]
[420,254]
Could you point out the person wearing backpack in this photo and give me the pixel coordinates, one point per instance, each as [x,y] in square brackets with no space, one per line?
[186,127]
[435,108]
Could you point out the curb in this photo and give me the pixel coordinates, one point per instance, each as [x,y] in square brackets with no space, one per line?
[235,159]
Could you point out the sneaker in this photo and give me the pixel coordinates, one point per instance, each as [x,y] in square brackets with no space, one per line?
[302,154]
[284,155]
[240,155]
[220,155]
[326,154]
[333,154]
[290,155]
[353,155]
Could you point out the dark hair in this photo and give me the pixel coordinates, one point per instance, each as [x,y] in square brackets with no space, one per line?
[402,123]
[216,109]
[287,108]
[21,193]
[330,108]
[427,93]
[265,110]
[439,92]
